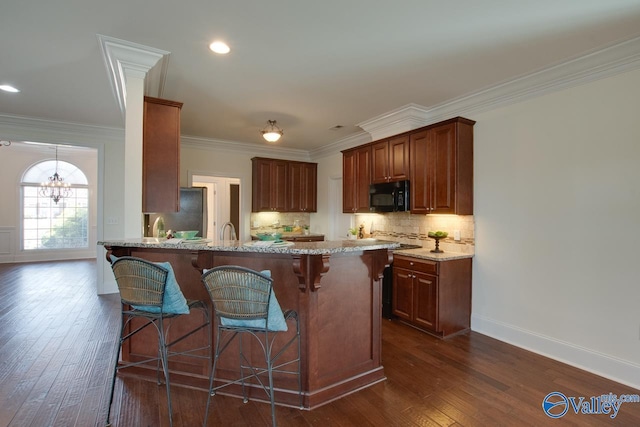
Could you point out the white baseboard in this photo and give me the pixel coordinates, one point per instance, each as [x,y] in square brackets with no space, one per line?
[619,370]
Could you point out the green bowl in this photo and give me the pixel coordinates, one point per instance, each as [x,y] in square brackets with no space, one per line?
[269,236]
[191,234]
[433,235]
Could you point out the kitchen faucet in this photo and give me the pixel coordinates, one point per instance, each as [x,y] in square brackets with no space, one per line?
[233,231]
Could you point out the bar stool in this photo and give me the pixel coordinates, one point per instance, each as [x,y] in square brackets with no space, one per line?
[244,303]
[149,291]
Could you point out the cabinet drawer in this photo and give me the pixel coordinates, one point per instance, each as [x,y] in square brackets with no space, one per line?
[415,264]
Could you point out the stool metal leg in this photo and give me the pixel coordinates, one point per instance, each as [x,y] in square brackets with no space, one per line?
[115,371]
[165,366]
[211,391]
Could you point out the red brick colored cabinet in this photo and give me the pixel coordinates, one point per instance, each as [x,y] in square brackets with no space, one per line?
[441,164]
[390,159]
[356,178]
[434,296]
[161,155]
[283,186]
[302,187]
[269,183]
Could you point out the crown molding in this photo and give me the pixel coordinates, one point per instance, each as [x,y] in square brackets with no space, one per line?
[596,64]
[18,128]
[122,57]
[402,119]
[343,144]
[219,145]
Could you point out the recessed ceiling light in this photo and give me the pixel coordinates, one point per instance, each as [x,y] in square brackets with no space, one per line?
[219,47]
[8,88]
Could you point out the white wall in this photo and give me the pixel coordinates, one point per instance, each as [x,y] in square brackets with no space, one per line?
[557,207]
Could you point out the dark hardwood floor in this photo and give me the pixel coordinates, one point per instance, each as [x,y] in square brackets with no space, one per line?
[57,341]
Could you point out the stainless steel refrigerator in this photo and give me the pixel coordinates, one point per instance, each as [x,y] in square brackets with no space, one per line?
[192,214]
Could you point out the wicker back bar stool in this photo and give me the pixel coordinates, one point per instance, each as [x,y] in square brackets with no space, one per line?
[149,291]
[244,304]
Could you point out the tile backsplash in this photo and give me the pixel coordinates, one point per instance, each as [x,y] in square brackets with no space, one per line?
[403,227]
[267,219]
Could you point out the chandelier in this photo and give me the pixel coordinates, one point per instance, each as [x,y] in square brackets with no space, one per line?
[272,132]
[55,188]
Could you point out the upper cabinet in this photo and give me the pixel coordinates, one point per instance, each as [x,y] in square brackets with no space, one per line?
[436,159]
[390,159]
[269,180]
[442,168]
[161,155]
[302,187]
[356,178]
[283,186]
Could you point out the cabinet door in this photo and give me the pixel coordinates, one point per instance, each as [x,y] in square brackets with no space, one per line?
[301,188]
[399,158]
[269,180]
[402,301]
[442,176]
[363,179]
[356,171]
[161,155]
[261,180]
[425,307]
[349,181]
[310,193]
[419,158]
[390,160]
[279,186]
[380,162]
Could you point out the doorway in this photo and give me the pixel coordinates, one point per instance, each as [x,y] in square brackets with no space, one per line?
[223,202]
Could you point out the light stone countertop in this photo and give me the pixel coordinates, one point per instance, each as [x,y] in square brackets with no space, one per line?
[306,248]
[424,253]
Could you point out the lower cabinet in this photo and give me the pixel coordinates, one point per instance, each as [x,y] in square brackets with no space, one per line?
[434,296]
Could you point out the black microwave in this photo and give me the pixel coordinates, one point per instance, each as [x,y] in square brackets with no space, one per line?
[389,197]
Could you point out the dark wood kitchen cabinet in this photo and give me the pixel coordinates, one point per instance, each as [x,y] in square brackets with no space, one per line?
[284,186]
[269,181]
[356,178]
[434,296]
[302,187]
[161,155]
[441,164]
[390,159]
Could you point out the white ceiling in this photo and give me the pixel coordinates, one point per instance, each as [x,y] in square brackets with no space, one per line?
[308,65]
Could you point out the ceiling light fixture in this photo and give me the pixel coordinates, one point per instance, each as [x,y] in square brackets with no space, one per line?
[272,132]
[55,188]
[220,47]
[5,143]
[9,88]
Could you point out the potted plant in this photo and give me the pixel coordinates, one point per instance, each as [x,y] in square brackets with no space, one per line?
[353,234]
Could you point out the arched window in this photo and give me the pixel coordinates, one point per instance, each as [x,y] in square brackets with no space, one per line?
[50,225]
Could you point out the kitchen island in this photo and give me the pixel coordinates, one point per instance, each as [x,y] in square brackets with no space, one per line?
[335,286]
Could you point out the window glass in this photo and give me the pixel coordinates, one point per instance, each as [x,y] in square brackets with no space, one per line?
[50,225]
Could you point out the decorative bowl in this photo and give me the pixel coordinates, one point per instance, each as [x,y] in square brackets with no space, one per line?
[191,234]
[269,236]
[438,234]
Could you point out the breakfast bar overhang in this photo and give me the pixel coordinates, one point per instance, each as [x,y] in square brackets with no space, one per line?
[335,286]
